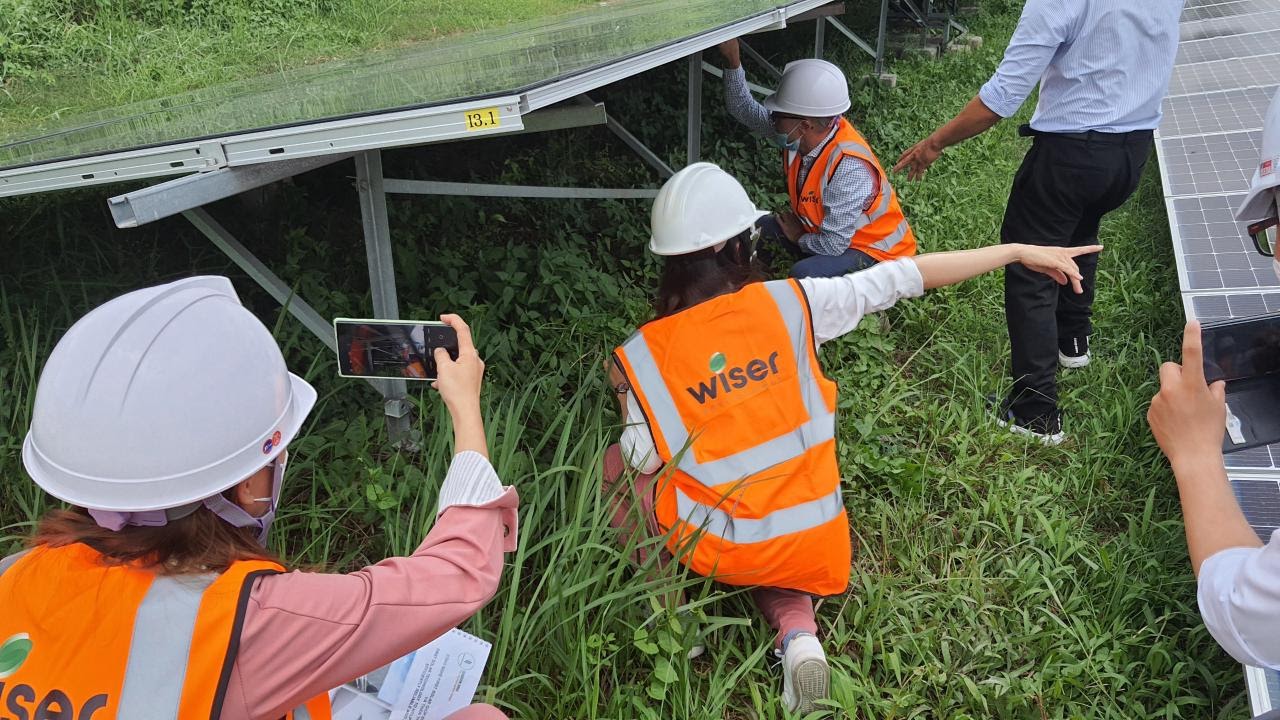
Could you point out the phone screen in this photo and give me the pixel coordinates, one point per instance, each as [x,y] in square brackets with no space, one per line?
[1241,349]
[392,348]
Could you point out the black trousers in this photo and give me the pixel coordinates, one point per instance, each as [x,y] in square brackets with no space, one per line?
[1065,185]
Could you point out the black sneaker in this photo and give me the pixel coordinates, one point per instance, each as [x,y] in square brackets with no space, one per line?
[1073,352]
[1046,429]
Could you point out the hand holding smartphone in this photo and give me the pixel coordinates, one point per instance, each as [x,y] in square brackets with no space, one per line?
[402,349]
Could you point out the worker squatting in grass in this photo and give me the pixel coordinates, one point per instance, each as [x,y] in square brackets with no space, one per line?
[170,519]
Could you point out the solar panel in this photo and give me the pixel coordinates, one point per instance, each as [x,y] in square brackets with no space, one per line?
[1227,9]
[1230,25]
[1221,48]
[1216,112]
[1206,3]
[1260,500]
[602,41]
[1209,164]
[1225,75]
[1229,306]
[1226,72]
[1213,249]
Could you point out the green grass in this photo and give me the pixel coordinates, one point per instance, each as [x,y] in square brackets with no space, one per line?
[992,579]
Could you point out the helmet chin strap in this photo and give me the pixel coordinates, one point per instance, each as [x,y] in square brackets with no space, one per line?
[230,512]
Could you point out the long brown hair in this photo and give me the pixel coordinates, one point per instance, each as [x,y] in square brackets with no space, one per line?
[699,276]
[198,543]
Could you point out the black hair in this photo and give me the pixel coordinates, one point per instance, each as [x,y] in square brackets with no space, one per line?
[699,276]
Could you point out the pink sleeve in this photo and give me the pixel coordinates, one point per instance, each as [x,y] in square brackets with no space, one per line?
[306,633]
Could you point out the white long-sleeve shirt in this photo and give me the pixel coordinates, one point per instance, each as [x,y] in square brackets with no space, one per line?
[836,304]
[1239,597]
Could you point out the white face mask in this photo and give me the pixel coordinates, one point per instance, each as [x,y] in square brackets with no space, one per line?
[237,515]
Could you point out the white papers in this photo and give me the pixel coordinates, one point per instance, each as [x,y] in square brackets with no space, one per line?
[427,684]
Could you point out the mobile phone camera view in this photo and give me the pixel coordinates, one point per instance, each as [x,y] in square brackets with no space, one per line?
[403,350]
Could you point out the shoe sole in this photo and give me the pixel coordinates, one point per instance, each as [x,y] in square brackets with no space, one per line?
[1073,362]
[812,683]
[1053,440]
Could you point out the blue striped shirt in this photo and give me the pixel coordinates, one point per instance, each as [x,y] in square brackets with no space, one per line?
[1102,64]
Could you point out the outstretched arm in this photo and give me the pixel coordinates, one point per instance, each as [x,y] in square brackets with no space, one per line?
[737,95]
[948,268]
[975,119]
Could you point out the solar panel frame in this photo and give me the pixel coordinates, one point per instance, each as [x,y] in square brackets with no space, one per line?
[1230,25]
[1230,74]
[1209,164]
[1227,9]
[1263,42]
[1223,111]
[1259,497]
[1213,252]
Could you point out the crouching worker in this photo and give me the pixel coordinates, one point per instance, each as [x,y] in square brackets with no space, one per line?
[162,417]
[731,421]
[844,213]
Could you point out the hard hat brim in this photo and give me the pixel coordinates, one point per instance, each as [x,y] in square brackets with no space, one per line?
[160,493]
[1258,202]
[653,247]
[772,104]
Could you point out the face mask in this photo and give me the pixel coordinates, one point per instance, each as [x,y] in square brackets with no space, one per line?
[784,141]
[237,516]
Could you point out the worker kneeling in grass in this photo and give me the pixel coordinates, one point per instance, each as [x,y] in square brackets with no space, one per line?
[844,213]
[730,419]
[163,418]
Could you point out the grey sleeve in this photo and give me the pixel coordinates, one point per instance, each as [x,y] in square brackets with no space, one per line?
[8,562]
[743,107]
[844,202]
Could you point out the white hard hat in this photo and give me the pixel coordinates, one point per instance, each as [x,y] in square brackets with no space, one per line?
[699,207]
[162,397]
[1262,192]
[810,88]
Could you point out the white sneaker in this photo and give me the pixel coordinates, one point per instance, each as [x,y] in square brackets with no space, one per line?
[1048,439]
[1073,361]
[806,678]
[1073,352]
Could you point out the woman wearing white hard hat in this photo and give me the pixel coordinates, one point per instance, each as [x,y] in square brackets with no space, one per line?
[162,417]
[844,213]
[1238,577]
[731,431]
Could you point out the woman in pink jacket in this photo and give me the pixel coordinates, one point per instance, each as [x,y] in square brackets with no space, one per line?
[162,418]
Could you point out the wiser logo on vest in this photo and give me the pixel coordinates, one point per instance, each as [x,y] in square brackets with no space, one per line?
[735,378]
[54,704]
[13,653]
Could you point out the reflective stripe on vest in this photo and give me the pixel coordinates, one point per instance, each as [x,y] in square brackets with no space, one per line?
[819,428]
[786,521]
[884,203]
[162,632]
[159,646]
[875,213]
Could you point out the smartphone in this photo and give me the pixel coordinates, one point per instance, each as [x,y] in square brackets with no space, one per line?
[402,349]
[1246,354]
[1241,349]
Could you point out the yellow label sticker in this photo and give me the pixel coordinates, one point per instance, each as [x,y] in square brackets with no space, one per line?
[483,118]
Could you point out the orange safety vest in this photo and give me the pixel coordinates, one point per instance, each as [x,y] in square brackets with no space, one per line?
[744,419]
[882,231]
[90,641]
